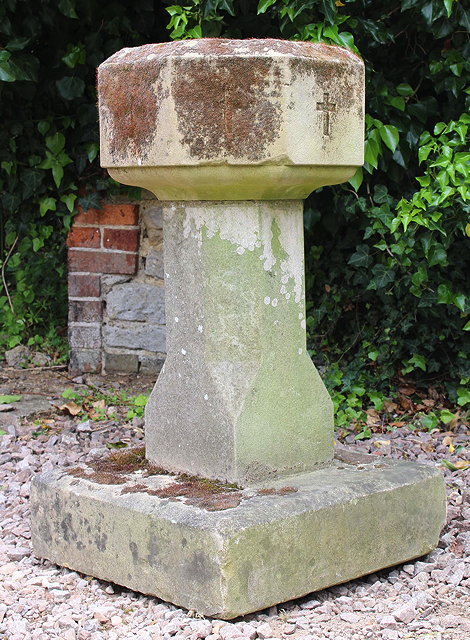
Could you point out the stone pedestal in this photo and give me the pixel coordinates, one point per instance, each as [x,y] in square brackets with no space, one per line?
[232,135]
[238,398]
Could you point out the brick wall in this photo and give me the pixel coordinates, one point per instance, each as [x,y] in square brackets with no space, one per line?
[116,296]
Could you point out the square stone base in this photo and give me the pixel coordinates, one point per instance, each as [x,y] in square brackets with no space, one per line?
[282,541]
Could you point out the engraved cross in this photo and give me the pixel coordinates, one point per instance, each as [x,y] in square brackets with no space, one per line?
[326,106]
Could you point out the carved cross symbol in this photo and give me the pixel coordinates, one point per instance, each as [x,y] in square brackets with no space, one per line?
[326,107]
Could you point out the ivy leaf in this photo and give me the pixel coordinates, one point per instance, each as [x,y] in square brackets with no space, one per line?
[69,200]
[6,72]
[444,294]
[420,276]
[32,180]
[9,399]
[357,178]
[57,173]
[404,90]
[25,67]
[361,257]
[17,44]
[463,396]
[390,136]
[67,8]
[55,143]
[382,277]
[140,401]
[70,87]
[329,10]
[448,5]
[371,152]
[427,12]
[460,465]
[45,205]
[263,5]
[347,40]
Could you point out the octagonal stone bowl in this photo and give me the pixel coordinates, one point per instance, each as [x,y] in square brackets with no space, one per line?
[216,119]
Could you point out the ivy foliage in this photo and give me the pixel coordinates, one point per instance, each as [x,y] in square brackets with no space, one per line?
[387,253]
[49,52]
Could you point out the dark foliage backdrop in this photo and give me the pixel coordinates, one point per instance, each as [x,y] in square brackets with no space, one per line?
[387,253]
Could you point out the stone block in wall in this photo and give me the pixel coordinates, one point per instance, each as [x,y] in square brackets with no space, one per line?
[114,309]
[109,281]
[154,263]
[152,219]
[136,301]
[151,365]
[136,335]
[84,336]
[121,363]
[85,361]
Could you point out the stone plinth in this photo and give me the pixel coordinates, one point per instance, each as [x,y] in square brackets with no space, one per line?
[231,135]
[283,540]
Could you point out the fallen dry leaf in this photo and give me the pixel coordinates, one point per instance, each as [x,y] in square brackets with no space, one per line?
[99,405]
[460,465]
[448,442]
[373,417]
[406,391]
[381,443]
[429,402]
[389,406]
[405,403]
[427,447]
[70,407]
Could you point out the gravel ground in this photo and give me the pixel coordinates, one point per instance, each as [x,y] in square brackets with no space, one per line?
[427,599]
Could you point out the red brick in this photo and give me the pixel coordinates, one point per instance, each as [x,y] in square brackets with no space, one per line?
[84,237]
[102,262]
[125,214]
[124,239]
[85,310]
[84,286]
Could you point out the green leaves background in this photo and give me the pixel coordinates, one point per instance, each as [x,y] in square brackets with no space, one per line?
[387,254]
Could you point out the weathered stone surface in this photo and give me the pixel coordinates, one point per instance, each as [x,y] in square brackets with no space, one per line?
[136,301]
[154,264]
[18,356]
[109,281]
[216,119]
[239,398]
[152,218]
[148,336]
[121,362]
[85,361]
[150,365]
[341,522]
[84,336]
